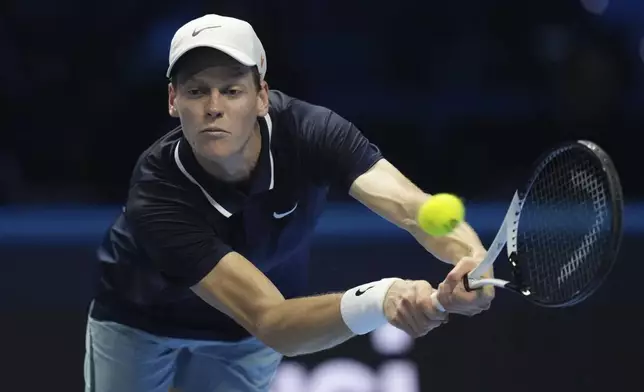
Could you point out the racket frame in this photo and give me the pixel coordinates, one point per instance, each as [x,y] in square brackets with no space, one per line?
[507,233]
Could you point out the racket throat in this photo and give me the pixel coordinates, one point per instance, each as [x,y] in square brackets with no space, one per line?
[518,282]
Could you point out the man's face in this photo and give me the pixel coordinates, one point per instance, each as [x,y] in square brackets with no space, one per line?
[217,101]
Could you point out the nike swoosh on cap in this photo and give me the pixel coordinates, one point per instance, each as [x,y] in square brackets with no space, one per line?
[198,30]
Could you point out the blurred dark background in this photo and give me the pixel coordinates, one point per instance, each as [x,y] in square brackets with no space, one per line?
[461,95]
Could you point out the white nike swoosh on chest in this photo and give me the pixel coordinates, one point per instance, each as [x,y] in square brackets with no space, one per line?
[283,214]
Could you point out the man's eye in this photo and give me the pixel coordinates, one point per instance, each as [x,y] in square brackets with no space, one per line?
[232,92]
[194,91]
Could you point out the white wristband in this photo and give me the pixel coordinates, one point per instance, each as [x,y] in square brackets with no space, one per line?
[362,307]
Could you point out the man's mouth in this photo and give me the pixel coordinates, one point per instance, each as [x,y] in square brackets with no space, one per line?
[215,131]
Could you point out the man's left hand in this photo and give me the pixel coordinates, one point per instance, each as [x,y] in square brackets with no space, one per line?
[453,296]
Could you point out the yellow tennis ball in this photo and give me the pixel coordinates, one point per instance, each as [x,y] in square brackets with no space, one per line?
[440,214]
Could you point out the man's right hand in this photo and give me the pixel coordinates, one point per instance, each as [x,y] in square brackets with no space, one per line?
[408,307]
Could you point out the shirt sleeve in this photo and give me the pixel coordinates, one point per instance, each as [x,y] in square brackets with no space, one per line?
[176,238]
[335,151]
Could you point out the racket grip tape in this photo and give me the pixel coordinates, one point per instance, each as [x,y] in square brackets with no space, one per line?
[436,303]
[434,296]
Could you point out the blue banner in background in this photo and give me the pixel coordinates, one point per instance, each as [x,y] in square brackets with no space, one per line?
[48,272]
[86,225]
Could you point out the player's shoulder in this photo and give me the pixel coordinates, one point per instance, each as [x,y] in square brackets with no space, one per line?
[156,163]
[298,115]
[157,181]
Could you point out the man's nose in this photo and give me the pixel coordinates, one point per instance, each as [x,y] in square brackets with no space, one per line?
[214,108]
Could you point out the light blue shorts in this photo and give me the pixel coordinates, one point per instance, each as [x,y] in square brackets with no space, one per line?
[119,358]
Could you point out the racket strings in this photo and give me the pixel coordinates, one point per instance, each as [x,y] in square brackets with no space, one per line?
[564,226]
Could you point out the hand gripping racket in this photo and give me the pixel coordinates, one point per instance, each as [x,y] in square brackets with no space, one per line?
[562,231]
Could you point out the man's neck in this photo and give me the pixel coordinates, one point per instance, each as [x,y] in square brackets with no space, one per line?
[239,167]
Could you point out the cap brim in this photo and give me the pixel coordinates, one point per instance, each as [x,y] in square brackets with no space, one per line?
[232,52]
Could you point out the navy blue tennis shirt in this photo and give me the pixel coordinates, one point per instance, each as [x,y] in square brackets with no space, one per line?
[179,221]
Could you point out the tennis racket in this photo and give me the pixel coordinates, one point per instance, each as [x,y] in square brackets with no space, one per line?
[562,231]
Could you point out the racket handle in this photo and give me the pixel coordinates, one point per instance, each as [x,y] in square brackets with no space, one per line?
[470,285]
[434,296]
[436,303]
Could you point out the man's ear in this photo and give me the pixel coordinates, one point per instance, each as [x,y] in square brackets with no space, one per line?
[262,99]
[172,96]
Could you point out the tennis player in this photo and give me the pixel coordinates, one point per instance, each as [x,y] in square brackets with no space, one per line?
[216,231]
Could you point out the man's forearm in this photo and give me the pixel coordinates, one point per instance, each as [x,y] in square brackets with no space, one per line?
[391,195]
[304,325]
[295,326]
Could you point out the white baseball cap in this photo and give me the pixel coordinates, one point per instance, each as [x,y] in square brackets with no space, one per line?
[232,36]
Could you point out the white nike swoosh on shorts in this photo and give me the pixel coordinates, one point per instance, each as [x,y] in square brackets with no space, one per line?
[282,215]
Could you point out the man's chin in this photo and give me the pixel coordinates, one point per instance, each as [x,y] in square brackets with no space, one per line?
[216,150]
